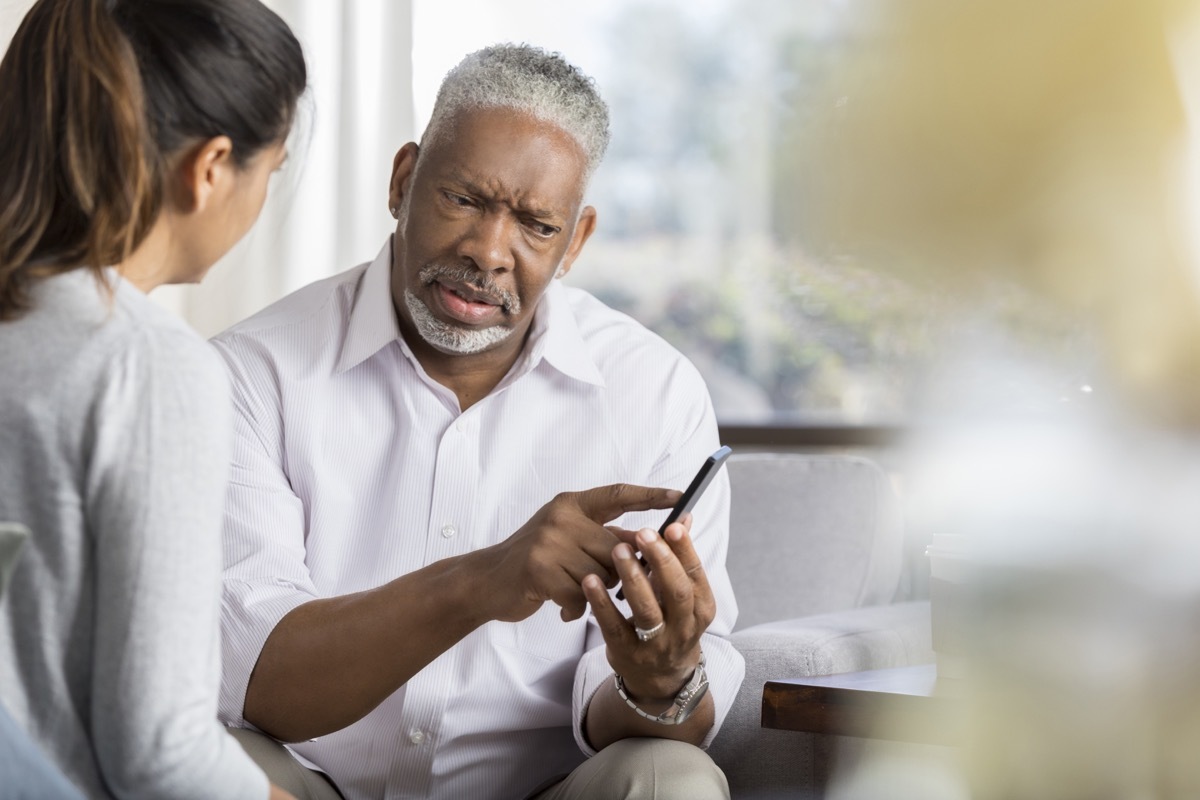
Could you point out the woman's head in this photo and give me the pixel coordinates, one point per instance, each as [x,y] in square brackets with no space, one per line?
[107,106]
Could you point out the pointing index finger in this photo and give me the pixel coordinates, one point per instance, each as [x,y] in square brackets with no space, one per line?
[606,503]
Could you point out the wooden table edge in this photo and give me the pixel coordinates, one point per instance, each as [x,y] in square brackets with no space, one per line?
[900,704]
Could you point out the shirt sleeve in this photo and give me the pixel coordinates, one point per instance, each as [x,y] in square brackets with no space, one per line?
[155,480]
[686,403]
[265,574]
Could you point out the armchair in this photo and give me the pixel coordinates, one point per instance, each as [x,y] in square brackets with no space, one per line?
[816,552]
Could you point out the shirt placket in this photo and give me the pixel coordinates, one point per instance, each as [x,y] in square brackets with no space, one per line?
[448,533]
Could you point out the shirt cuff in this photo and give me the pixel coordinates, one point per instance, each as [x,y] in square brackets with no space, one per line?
[244,630]
[590,674]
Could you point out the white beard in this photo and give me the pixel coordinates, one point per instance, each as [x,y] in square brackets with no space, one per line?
[451,338]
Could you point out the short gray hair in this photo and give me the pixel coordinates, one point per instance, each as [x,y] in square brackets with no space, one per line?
[527,79]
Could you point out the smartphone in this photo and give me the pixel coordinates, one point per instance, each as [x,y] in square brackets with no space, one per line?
[691,495]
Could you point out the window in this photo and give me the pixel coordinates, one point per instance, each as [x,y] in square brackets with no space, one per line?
[700,213]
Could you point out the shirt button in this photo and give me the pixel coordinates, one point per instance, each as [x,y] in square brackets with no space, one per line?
[461,426]
[448,531]
[416,737]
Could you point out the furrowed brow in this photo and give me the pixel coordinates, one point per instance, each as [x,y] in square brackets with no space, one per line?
[478,188]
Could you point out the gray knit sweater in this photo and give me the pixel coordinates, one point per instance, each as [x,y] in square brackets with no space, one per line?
[114,444]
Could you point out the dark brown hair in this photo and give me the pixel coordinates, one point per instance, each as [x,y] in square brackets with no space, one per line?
[96,95]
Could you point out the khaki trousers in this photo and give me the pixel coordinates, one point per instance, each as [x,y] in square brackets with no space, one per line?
[643,769]
[631,769]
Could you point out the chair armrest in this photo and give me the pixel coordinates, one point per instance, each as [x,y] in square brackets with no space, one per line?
[872,637]
[760,762]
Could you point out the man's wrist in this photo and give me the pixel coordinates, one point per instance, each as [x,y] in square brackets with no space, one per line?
[469,573]
[654,705]
[660,690]
[676,709]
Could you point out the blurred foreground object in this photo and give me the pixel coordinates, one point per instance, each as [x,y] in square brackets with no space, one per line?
[976,145]
[1042,142]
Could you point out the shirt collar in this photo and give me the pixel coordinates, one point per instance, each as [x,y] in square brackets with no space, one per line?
[556,339]
[554,336]
[372,324]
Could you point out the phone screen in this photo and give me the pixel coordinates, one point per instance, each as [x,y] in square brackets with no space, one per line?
[691,495]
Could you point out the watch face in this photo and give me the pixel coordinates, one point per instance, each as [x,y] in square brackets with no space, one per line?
[692,699]
[695,699]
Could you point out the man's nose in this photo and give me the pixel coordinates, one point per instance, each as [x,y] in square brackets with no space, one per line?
[488,242]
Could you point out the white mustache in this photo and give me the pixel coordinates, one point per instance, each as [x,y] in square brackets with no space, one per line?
[477,280]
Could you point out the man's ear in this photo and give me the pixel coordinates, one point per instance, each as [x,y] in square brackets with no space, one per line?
[203,171]
[584,229]
[403,166]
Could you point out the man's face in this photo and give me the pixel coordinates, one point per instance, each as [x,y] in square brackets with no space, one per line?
[488,217]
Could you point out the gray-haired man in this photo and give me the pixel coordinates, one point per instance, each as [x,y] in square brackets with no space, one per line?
[401,427]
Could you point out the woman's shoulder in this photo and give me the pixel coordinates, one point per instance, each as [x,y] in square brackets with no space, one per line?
[85,367]
[162,348]
[91,332]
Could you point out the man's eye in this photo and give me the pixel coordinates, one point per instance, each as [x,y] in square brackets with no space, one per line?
[542,229]
[457,199]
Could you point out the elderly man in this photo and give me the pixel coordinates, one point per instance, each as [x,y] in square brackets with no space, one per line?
[401,427]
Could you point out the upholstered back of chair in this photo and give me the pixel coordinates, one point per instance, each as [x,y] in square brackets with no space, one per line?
[811,534]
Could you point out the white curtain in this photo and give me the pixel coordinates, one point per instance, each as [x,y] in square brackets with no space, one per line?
[327,210]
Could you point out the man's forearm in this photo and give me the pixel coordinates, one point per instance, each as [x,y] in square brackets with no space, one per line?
[329,662]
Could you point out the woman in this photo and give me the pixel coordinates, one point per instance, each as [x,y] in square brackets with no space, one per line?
[137,138]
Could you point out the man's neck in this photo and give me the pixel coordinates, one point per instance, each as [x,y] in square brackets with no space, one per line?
[470,377]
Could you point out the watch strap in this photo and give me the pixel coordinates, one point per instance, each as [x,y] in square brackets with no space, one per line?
[696,684]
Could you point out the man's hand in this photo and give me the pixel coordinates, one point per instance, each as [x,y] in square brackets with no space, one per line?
[676,594]
[330,661]
[549,557]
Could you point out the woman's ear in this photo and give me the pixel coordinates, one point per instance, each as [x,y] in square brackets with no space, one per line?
[203,172]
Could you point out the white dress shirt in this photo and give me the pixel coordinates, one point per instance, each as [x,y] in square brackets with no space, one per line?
[353,467]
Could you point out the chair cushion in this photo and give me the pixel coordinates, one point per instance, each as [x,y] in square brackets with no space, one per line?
[811,535]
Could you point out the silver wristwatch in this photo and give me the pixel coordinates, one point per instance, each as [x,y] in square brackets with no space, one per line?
[687,701]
